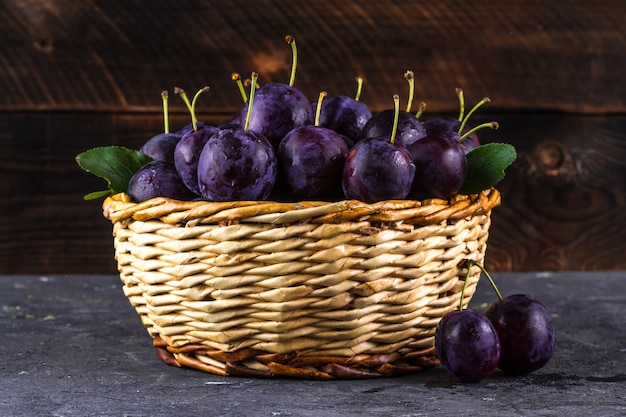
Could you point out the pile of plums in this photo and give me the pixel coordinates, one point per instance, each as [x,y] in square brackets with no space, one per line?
[283,146]
[514,334]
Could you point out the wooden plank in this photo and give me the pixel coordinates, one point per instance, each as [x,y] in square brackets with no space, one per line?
[118,55]
[563,200]
[46,226]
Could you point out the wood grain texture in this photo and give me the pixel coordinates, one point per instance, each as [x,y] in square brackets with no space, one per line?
[563,201]
[119,54]
[46,226]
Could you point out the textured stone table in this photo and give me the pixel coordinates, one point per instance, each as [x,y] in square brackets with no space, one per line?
[73,346]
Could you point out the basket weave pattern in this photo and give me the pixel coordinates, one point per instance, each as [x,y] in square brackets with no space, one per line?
[310,290]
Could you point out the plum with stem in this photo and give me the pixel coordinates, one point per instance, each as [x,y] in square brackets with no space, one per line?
[345,115]
[195,124]
[311,159]
[409,128]
[525,330]
[278,108]
[457,129]
[378,168]
[467,343]
[161,146]
[188,150]
[237,164]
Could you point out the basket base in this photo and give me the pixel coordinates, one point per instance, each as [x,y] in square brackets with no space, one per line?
[259,364]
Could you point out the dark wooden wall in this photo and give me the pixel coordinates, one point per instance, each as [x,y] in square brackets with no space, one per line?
[80,73]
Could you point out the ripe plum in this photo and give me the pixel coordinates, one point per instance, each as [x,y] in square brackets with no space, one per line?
[187,153]
[440,168]
[277,109]
[237,165]
[158,179]
[467,345]
[161,147]
[344,115]
[377,169]
[526,332]
[449,127]
[188,128]
[311,160]
[410,129]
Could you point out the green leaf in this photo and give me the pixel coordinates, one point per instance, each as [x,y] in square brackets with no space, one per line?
[115,164]
[486,165]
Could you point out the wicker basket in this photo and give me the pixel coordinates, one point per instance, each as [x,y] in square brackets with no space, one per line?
[308,290]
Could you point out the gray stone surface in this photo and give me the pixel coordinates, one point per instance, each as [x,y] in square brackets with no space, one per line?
[73,346]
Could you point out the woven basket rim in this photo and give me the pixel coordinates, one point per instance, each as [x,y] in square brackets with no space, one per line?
[119,207]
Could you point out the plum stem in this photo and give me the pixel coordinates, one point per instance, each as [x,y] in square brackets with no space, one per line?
[459,94]
[318,110]
[359,88]
[247,82]
[469,268]
[396,115]
[237,79]
[484,271]
[410,77]
[180,92]
[469,113]
[255,76]
[194,119]
[493,125]
[420,110]
[294,58]
[166,119]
